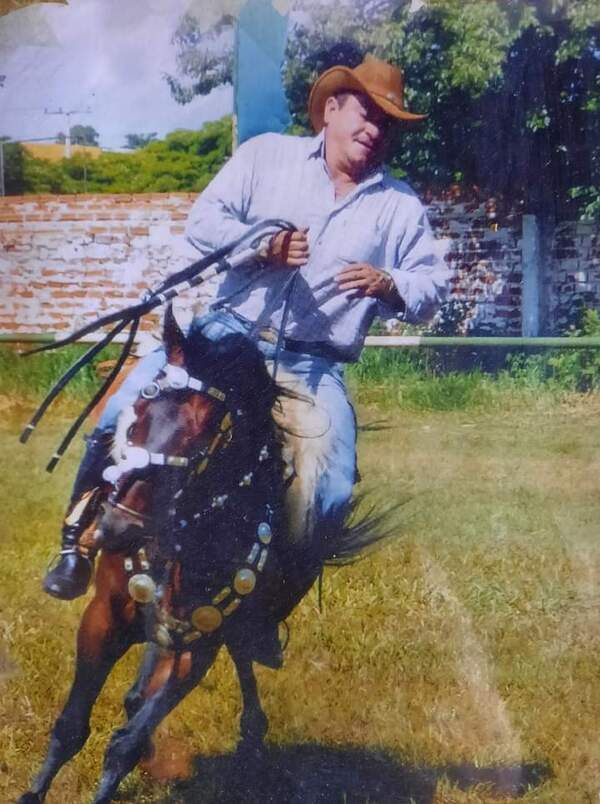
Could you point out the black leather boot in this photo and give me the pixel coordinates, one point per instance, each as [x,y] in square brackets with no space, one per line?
[71,576]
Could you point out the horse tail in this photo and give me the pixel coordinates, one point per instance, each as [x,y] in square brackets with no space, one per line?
[366,527]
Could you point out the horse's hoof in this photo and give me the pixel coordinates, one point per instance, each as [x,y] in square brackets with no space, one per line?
[30,798]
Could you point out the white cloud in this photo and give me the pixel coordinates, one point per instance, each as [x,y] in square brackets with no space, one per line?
[110,56]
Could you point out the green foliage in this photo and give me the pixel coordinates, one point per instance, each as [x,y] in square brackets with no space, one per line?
[538,119]
[425,379]
[33,376]
[408,379]
[589,198]
[477,37]
[561,369]
[183,161]
[14,158]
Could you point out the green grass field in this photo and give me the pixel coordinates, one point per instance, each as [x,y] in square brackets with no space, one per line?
[462,651]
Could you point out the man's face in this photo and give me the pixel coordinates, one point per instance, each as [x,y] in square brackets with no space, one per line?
[357,129]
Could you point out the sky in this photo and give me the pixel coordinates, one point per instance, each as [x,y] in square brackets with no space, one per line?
[107,56]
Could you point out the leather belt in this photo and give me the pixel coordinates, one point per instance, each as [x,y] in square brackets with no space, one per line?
[313,348]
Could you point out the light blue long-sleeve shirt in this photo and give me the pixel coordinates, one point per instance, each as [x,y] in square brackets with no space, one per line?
[381,222]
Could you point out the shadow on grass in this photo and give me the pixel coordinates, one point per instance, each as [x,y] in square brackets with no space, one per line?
[376,426]
[315,774]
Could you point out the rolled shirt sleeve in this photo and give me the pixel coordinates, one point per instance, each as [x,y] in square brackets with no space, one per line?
[419,270]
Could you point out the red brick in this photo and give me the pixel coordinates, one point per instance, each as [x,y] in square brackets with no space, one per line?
[68,294]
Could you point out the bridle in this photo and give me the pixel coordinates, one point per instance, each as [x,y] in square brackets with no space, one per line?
[171,378]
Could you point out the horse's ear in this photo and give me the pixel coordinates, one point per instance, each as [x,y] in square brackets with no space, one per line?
[173,338]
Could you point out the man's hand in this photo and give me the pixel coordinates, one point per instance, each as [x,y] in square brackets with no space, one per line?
[367,280]
[289,249]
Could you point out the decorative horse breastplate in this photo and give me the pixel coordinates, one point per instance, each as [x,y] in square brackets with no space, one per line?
[167,630]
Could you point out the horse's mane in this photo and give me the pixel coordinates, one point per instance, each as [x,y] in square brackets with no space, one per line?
[235,365]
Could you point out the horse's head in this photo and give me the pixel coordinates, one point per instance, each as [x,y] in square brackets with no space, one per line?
[173,438]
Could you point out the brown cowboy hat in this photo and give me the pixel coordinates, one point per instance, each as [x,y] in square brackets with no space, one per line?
[381,81]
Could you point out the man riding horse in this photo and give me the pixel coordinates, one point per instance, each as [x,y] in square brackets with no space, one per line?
[362,246]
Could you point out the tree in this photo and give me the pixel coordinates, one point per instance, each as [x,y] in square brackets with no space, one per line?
[510,87]
[135,141]
[204,58]
[13,160]
[80,135]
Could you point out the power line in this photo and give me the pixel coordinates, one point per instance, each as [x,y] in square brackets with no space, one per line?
[67,115]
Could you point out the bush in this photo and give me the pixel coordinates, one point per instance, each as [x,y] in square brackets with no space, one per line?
[565,369]
[185,161]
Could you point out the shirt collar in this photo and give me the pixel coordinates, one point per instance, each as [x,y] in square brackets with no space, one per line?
[316,145]
[317,150]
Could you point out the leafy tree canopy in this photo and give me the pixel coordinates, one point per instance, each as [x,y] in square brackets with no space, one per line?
[13,158]
[511,87]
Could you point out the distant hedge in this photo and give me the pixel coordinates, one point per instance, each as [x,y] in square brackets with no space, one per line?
[183,161]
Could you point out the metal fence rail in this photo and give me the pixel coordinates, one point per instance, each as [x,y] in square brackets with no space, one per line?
[476,342]
[583,342]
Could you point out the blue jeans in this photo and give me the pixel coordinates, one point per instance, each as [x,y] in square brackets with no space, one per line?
[319,435]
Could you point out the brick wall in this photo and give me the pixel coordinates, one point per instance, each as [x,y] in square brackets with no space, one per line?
[576,271]
[485,258]
[64,260]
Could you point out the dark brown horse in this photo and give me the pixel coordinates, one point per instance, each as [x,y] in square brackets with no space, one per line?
[194,554]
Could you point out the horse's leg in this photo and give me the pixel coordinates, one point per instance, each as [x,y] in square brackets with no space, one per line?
[136,696]
[253,721]
[173,678]
[104,636]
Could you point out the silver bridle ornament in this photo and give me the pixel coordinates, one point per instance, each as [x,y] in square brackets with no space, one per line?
[177,379]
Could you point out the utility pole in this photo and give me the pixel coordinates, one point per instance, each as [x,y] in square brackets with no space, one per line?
[67,116]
